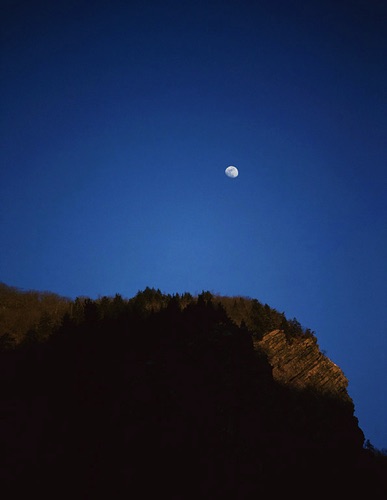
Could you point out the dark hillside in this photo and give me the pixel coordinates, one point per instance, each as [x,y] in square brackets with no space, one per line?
[28,313]
[169,395]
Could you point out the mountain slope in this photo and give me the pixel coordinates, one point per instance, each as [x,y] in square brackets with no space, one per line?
[186,396]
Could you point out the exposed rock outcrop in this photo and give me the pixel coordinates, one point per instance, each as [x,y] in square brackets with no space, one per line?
[323,409]
[299,363]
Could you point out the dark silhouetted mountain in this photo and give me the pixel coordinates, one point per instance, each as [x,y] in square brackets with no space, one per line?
[176,396]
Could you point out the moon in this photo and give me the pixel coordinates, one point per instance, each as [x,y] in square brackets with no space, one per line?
[231,171]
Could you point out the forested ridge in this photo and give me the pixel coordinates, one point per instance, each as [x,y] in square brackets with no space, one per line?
[163,393]
[26,315]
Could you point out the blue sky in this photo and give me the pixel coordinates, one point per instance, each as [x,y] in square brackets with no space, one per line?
[118,119]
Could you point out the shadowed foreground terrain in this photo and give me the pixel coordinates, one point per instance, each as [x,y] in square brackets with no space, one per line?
[179,396]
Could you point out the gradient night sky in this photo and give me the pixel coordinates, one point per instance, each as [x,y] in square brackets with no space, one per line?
[118,119]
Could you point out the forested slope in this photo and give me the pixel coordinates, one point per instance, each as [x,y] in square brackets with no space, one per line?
[179,396]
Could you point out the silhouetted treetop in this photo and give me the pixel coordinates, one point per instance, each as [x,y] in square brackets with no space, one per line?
[36,314]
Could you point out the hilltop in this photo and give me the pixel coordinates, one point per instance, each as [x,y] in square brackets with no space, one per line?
[189,397]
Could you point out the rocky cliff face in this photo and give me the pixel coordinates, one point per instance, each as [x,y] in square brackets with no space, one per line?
[321,406]
[299,363]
